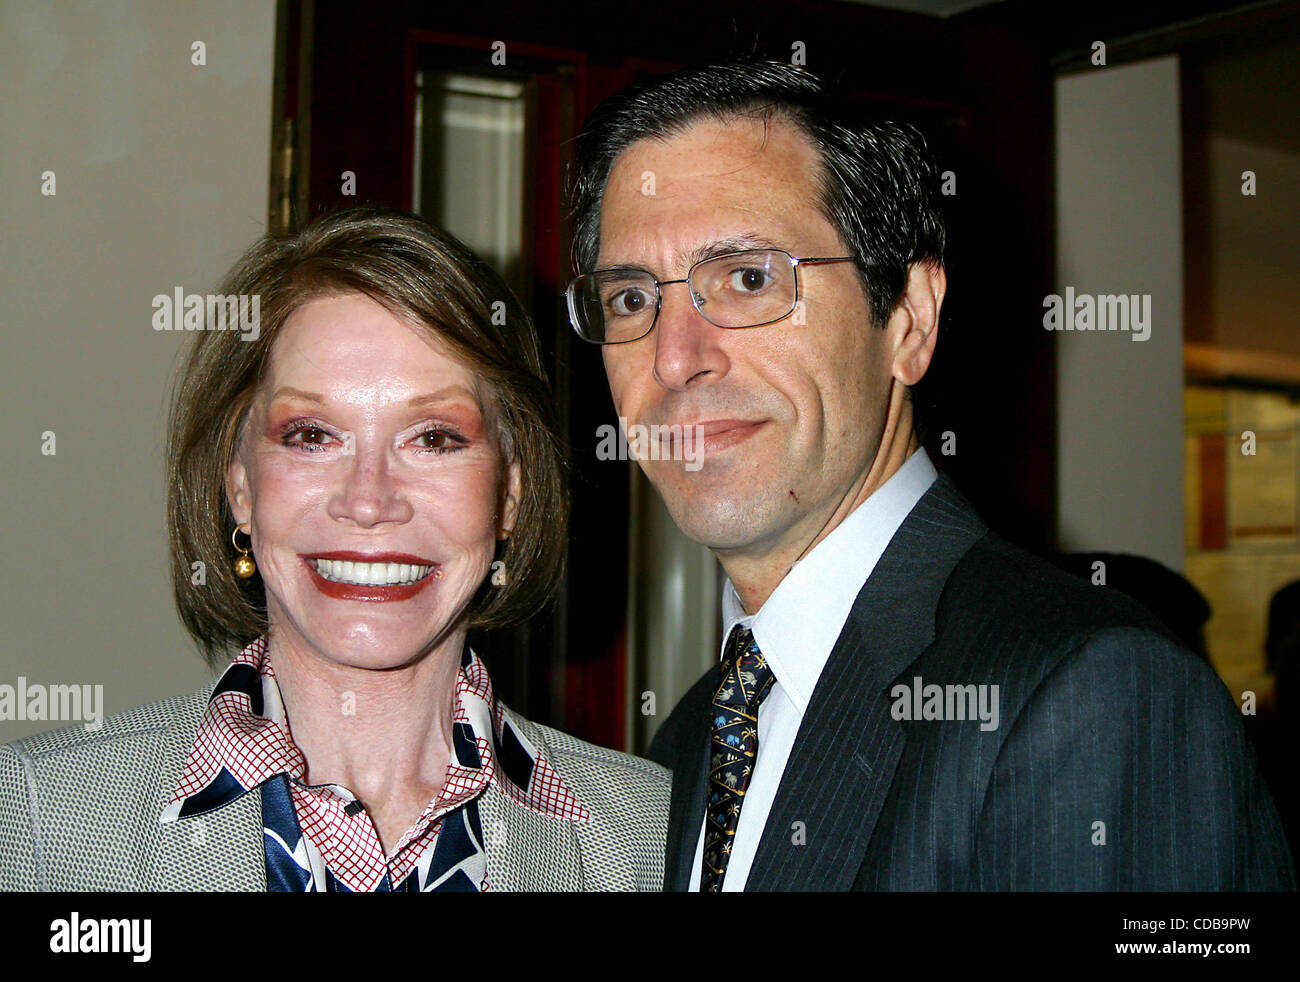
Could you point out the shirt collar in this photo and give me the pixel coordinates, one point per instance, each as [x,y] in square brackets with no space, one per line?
[243,741]
[798,624]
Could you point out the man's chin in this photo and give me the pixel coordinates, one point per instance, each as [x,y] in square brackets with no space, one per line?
[723,524]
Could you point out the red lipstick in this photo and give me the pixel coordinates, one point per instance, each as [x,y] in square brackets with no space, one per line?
[370,592]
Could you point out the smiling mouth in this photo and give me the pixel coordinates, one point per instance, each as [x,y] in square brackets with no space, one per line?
[371,574]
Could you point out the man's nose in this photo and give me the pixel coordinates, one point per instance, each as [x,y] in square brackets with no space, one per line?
[687,347]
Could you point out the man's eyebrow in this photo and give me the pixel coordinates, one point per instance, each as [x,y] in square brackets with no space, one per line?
[732,243]
[709,250]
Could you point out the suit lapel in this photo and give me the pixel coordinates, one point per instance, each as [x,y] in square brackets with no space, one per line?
[690,785]
[848,745]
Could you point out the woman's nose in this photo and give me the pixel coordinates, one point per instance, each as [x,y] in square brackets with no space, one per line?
[369,493]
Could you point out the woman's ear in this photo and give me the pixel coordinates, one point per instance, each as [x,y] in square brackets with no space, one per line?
[238,494]
[916,319]
[511,491]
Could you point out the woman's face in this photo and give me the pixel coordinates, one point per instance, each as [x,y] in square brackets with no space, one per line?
[372,482]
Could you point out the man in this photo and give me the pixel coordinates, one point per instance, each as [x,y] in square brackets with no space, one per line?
[769,280]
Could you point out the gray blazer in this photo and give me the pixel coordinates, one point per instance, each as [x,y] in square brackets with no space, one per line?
[79,811]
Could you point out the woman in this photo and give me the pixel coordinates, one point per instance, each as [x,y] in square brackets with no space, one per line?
[376,446]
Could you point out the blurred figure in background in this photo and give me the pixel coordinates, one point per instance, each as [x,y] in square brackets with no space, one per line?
[1273,728]
[1169,595]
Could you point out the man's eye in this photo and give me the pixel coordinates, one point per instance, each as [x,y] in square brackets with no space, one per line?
[749,279]
[627,302]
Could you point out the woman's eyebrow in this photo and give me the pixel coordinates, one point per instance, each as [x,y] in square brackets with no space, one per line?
[444,394]
[289,390]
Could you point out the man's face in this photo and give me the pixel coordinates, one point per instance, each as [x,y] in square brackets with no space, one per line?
[793,411]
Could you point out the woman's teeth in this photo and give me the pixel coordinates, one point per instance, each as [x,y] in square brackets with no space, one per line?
[373,574]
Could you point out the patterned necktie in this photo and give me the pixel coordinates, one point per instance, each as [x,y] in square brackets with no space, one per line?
[745,681]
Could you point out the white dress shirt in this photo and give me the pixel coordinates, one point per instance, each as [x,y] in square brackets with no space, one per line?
[796,629]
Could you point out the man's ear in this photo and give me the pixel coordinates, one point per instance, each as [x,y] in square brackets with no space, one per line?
[916,320]
[512,490]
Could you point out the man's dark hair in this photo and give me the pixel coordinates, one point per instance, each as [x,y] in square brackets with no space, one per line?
[878,188]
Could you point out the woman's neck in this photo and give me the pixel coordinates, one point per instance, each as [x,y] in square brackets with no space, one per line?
[384,734]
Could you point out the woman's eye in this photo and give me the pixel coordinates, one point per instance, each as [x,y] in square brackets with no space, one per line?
[439,441]
[307,436]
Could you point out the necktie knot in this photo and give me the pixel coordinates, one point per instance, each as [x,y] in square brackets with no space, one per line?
[746,675]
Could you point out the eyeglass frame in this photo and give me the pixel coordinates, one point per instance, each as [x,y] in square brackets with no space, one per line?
[795,263]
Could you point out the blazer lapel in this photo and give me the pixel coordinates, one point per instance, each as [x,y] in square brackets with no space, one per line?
[527,851]
[222,849]
[849,744]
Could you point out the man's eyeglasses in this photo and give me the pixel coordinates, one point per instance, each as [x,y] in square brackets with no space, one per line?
[739,289]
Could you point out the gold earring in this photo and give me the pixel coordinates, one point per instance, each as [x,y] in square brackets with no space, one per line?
[243,565]
[499,575]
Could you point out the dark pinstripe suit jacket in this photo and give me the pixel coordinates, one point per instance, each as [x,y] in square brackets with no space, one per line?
[1103,719]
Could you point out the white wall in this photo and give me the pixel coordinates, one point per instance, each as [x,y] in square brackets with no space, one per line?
[161,171]
[1120,401]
